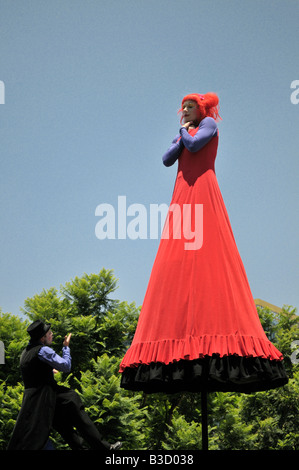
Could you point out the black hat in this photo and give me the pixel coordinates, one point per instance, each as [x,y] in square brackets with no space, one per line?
[38,329]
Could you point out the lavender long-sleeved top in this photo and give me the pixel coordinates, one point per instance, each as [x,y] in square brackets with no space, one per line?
[206,130]
[48,355]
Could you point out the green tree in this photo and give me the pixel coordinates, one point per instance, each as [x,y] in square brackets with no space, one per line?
[117,413]
[102,329]
[182,435]
[161,408]
[274,416]
[14,337]
[83,307]
[287,332]
[229,430]
[10,403]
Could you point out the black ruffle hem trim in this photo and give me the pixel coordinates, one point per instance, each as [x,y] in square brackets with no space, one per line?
[211,374]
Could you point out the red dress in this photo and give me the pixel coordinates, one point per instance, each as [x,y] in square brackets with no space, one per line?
[198,325]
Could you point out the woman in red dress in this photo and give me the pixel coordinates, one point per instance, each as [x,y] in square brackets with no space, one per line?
[198,327]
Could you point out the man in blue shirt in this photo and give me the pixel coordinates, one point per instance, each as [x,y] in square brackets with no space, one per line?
[48,405]
[49,356]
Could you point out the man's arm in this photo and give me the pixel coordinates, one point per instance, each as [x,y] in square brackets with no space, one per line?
[48,355]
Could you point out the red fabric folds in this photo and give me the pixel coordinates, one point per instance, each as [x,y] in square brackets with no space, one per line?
[198,301]
[169,351]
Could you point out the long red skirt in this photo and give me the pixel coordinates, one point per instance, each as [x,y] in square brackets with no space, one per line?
[199,327]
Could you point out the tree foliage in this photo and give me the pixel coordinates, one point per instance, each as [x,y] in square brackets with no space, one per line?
[102,329]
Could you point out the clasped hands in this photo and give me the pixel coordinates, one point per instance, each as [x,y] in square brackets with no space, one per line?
[189,125]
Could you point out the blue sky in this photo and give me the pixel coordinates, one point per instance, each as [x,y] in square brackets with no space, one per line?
[92,90]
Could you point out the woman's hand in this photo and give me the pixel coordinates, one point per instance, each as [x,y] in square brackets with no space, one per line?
[188,125]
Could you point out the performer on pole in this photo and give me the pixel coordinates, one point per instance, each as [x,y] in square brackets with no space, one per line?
[48,405]
[199,328]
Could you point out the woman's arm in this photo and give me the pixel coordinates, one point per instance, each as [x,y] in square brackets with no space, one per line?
[174,151]
[206,130]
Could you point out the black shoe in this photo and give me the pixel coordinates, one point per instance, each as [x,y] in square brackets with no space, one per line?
[116,446]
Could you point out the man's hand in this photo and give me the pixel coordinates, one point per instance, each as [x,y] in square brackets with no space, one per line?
[67,339]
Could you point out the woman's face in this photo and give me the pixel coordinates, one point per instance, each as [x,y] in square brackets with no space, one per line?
[190,111]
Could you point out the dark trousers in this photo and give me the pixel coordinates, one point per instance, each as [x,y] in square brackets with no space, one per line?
[74,425]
